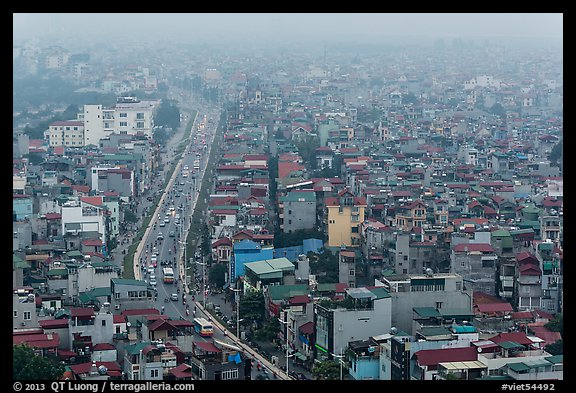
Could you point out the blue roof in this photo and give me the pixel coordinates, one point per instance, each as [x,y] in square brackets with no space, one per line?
[312,245]
[291,253]
[241,258]
[246,244]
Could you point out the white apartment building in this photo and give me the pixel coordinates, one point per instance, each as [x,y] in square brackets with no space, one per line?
[68,133]
[98,123]
[133,116]
[83,216]
[129,117]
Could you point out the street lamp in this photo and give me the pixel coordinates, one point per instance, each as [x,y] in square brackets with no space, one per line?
[286,337]
[203,281]
[340,360]
[184,243]
[237,295]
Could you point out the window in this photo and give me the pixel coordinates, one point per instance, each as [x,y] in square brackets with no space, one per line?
[154,373]
[103,322]
[405,257]
[140,116]
[117,329]
[117,295]
[354,229]
[351,272]
[230,374]
[438,305]
[123,114]
[459,285]
[139,124]
[123,124]
[27,315]
[488,263]
[15,314]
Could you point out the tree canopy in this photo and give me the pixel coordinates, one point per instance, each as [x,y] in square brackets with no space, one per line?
[28,366]
[327,370]
[168,115]
[324,266]
[217,275]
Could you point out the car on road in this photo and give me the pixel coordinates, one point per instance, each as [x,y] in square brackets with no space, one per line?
[153,282]
[167,219]
[174,297]
[172,234]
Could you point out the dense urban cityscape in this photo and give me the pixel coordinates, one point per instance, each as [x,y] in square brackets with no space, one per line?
[321,210]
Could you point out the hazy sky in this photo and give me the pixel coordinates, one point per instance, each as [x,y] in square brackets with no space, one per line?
[272,27]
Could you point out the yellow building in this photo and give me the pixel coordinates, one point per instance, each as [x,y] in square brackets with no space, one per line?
[345,215]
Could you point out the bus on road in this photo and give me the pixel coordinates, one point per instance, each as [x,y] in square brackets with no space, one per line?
[168,275]
[203,327]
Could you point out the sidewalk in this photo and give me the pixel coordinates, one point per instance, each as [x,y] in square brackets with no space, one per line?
[125,239]
[267,349]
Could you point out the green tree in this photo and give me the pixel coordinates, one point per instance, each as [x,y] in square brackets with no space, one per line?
[556,152]
[498,110]
[556,325]
[160,136]
[28,366]
[130,216]
[34,158]
[324,266]
[295,238]
[327,370]
[252,308]
[409,98]
[70,113]
[269,331]
[168,115]
[206,244]
[307,149]
[217,275]
[556,348]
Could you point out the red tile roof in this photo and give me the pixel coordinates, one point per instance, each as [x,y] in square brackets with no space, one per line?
[118,318]
[37,340]
[481,247]
[494,307]
[81,312]
[53,323]
[141,311]
[96,200]
[92,242]
[103,347]
[518,337]
[181,371]
[207,346]
[431,357]
[84,368]
[307,328]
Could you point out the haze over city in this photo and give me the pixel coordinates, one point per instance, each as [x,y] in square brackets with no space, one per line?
[268,28]
[287,196]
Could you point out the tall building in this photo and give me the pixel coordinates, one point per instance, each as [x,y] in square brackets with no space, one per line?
[345,215]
